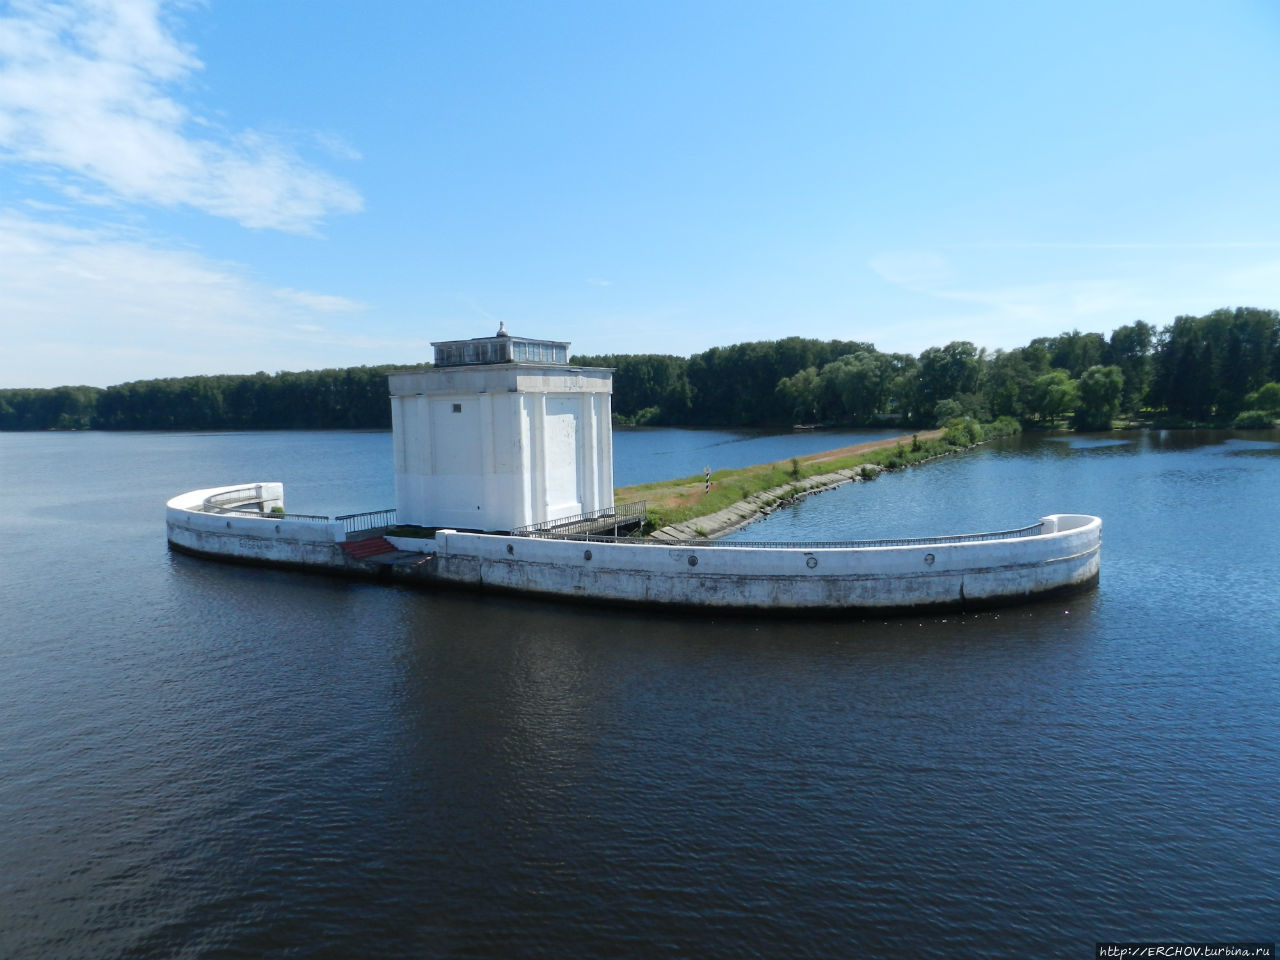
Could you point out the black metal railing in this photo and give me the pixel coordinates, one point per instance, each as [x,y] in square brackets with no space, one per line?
[1034,530]
[355,522]
[587,524]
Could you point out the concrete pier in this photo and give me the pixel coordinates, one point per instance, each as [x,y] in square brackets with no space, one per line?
[1060,552]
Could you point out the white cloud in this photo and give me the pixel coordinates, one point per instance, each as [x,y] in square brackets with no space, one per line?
[337,146]
[102,306]
[85,90]
[320,302]
[44,207]
[599,282]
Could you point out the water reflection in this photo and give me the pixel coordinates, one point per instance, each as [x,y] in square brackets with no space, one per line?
[731,762]
[212,760]
[1090,443]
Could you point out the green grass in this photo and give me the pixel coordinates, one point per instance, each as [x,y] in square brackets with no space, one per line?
[683,500]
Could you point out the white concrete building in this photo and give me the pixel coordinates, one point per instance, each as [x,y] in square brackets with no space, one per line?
[502,432]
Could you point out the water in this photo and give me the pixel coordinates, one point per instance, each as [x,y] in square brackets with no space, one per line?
[646,455]
[202,760]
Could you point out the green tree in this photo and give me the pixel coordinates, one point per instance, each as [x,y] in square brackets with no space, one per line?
[799,396]
[1052,395]
[1206,366]
[1132,348]
[1183,377]
[947,411]
[1266,397]
[945,372]
[737,385]
[1009,380]
[856,387]
[1076,352]
[645,382]
[1100,390]
[1243,354]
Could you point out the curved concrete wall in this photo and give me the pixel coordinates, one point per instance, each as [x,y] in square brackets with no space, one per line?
[261,539]
[986,572]
[991,571]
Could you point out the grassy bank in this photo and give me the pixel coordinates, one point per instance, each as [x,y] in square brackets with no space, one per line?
[682,500]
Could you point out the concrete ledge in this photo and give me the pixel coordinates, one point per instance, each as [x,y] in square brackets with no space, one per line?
[872,578]
[869,579]
[251,537]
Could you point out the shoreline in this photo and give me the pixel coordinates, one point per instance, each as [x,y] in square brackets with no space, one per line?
[756,506]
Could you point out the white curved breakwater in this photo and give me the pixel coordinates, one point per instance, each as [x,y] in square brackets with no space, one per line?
[1063,554]
[216,522]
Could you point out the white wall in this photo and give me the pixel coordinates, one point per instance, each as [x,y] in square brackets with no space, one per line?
[772,578]
[498,447]
[262,538]
[563,429]
[1065,554]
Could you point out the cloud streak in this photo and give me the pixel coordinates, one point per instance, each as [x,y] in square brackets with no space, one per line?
[320,302]
[106,301]
[86,100]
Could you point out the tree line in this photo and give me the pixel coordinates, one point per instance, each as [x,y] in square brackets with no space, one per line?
[1220,368]
[311,399]
[1223,367]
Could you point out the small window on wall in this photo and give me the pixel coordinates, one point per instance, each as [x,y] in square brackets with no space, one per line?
[457,408]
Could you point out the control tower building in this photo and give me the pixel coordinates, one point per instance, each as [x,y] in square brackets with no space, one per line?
[500,433]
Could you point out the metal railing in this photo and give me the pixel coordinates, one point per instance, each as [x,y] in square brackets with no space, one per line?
[1034,530]
[587,524]
[355,522]
[258,514]
[242,495]
[238,496]
[231,503]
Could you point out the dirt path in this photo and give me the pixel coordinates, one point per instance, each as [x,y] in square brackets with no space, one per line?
[866,447]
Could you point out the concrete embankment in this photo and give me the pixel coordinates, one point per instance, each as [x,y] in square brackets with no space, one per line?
[1058,552]
[758,505]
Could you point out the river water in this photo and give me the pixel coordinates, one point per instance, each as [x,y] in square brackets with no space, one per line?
[199,760]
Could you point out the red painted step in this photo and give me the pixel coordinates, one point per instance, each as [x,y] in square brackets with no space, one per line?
[373,547]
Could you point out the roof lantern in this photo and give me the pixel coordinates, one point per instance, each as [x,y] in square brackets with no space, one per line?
[500,348]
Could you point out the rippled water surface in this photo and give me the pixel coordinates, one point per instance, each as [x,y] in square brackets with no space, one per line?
[200,760]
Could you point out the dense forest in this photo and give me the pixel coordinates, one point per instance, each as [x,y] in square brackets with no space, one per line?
[1221,368]
[317,399]
[1214,368]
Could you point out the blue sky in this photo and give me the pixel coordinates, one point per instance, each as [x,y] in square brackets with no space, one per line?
[227,187]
